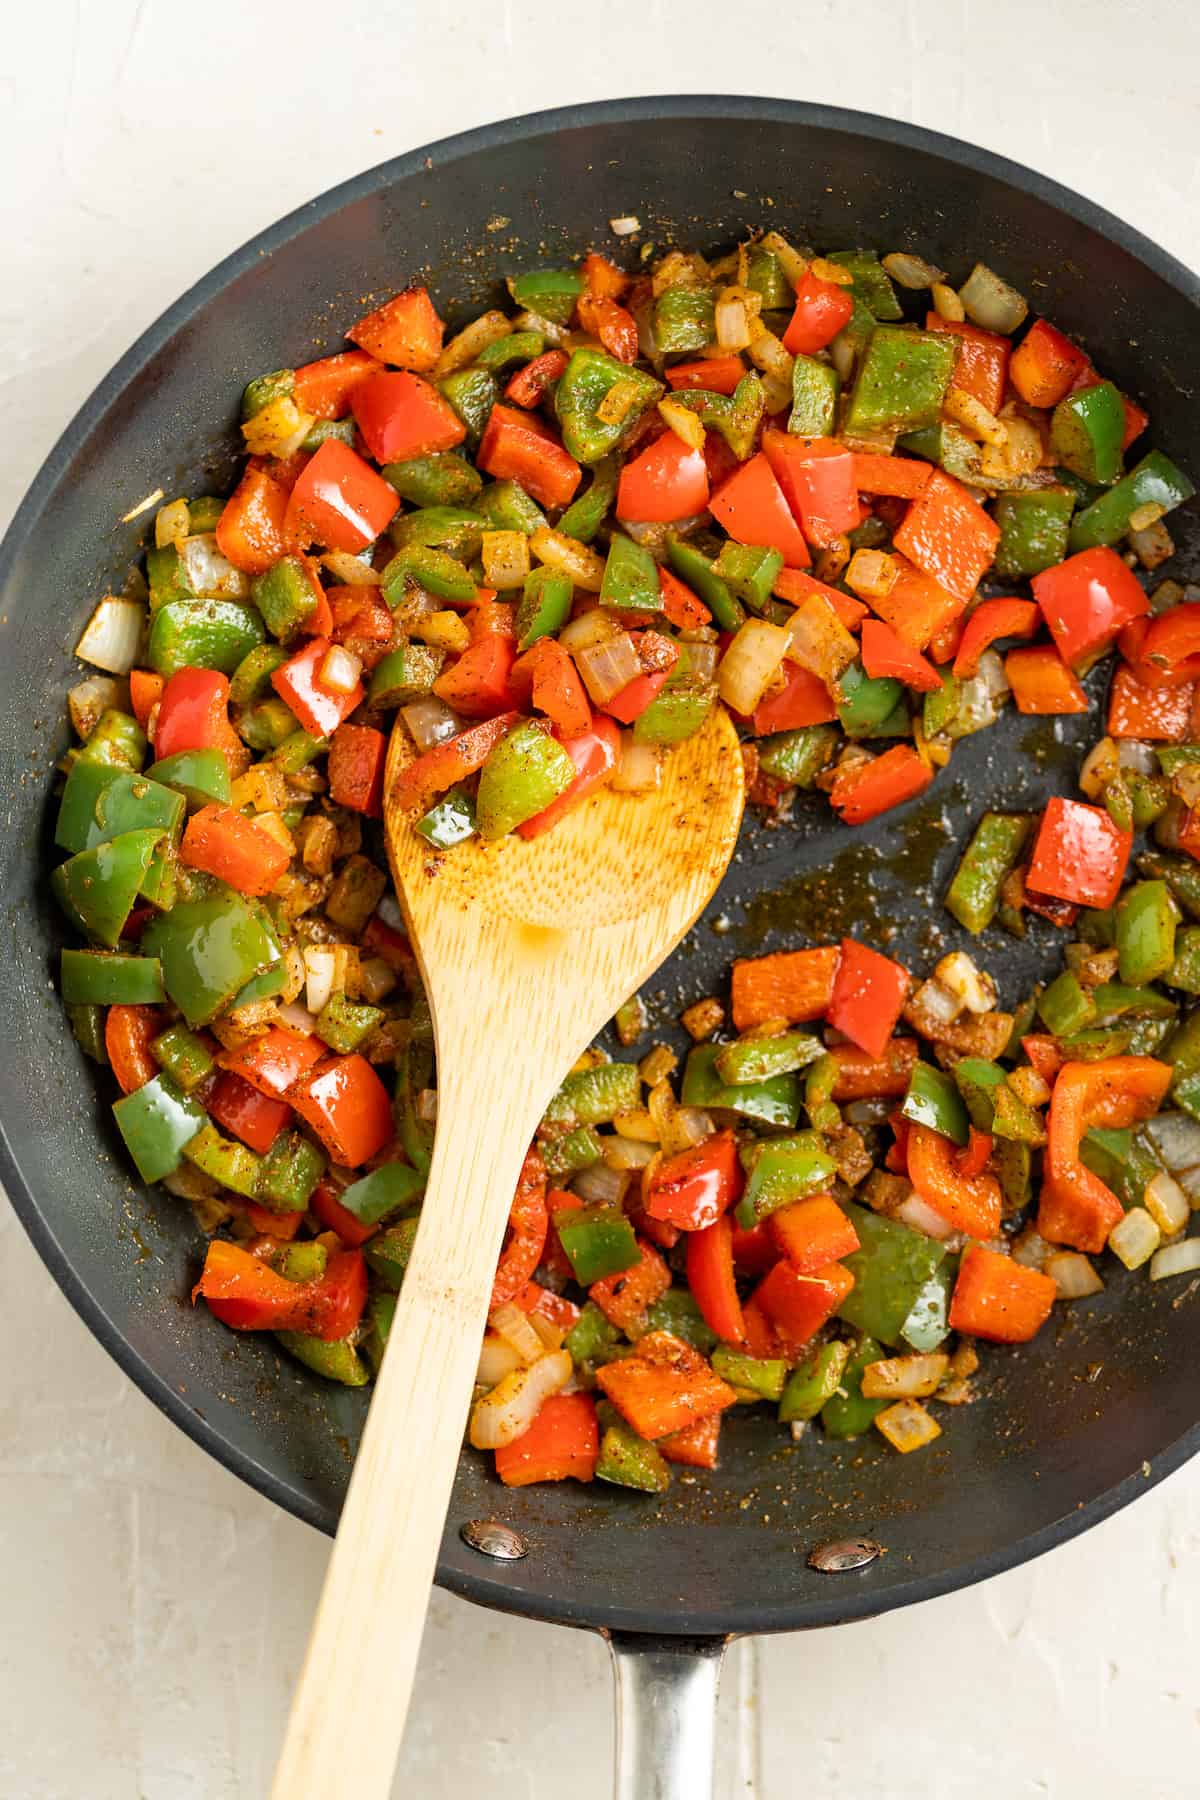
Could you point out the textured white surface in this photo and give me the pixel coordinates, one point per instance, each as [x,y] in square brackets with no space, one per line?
[154,1609]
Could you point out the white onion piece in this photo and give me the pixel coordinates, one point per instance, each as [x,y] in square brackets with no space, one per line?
[1030,1249]
[918,1214]
[702,660]
[514,1403]
[339,670]
[320,965]
[936,1002]
[904,1377]
[1072,1274]
[89,699]
[1133,754]
[350,569]
[748,666]
[209,573]
[591,627]
[625,226]
[1175,1259]
[601,1182]
[1189,1181]
[298,1018]
[497,1358]
[1135,1238]
[389,911]
[608,667]
[430,721]
[841,353]
[1166,1203]
[1176,1137]
[912,271]
[990,302]
[516,1328]
[972,988]
[112,635]
[688,1125]
[639,769]
[550,1334]
[991,669]
[627,1153]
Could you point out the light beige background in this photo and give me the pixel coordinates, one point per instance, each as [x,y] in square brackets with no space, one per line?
[152,1610]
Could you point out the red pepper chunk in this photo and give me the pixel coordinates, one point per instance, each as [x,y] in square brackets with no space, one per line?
[1079,855]
[798,1305]
[1041,682]
[603,278]
[562,1444]
[793,985]
[223,842]
[865,790]
[275,1061]
[918,609]
[862,1076]
[1086,601]
[884,652]
[257,1119]
[819,482]
[694,1188]
[753,509]
[544,1303]
[1165,652]
[253,530]
[477,684]
[402,415]
[528,1223]
[616,328]
[1076,1207]
[339,500]
[128,1034]
[1045,365]
[665,482]
[405,331]
[329,1211]
[710,1276]
[802,700]
[324,388]
[969,1202]
[982,366]
[346,1104]
[625,1297]
[319,710]
[357,754]
[529,385]
[948,536]
[822,308]
[244,1292]
[636,696]
[695,1446]
[991,621]
[712,374]
[663,1386]
[869,991]
[595,754]
[515,447]
[813,1233]
[547,677]
[1152,714]
[439,768]
[682,608]
[903,477]
[193,713]
[998,1299]
[145,692]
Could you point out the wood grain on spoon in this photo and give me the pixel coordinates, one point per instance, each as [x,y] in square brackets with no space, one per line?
[527,949]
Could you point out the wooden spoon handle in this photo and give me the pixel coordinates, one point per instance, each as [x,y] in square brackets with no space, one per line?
[349,1708]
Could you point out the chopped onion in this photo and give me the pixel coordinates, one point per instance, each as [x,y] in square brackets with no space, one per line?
[767,353]
[792,261]
[569,556]
[1135,1238]
[171,523]
[594,626]
[427,1106]
[505,556]
[627,1153]
[112,635]
[904,1377]
[1135,755]
[1175,1259]
[907,1426]
[935,1005]
[946,303]
[912,271]
[971,987]
[820,642]
[353,570]
[430,721]
[1166,1203]
[551,1334]
[747,667]
[1176,1137]
[209,572]
[990,302]
[640,768]
[1073,1275]
[487,329]
[609,666]
[320,965]
[991,673]
[514,1403]
[965,410]
[89,699]
[625,226]
[298,1018]
[516,1329]
[497,1358]
[339,670]
[600,1182]
[1030,1249]
[732,324]
[841,353]
[872,574]
[702,660]
[687,425]
[1100,765]
[920,1215]
[688,1125]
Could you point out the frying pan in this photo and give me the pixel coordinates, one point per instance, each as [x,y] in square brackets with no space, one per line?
[1069,1428]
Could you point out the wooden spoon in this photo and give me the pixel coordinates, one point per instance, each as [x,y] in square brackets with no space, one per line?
[527,949]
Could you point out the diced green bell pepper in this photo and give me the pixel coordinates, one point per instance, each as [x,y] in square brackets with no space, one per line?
[678,1312]
[765,277]
[683,319]
[630,577]
[1086,432]
[1033,530]
[749,571]
[1146,920]
[185,1057]
[592,1337]
[872,284]
[251,680]
[946,445]
[380,1316]
[762,1376]
[435,570]
[200,776]
[677,713]
[450,821]
[441,478]
[234,1165]
[1012,1165]
[867,705]
[386,1190]
[798,756]
[405,674]
[933,1100]
[1184,972]
[167,576]
[891,1268]
[100,978]
[204,513]
[288,1173]
[266,725]
[783,1170]
[285,596]
[544,606]
[305,1261]
[992,854]
[1124,1160]
[522,775]
[1155,481]
[902,380]
[1066,1006]
[758,1058]
[846,1414]
[209,947]
[586,514]
[598,1240]
[116,740]
[87,1023]
[566,1156]
[336,1361]
[202,634]
[322,430]
[928,1323]
[694,568]
[344,1024]
[815,389]
[736,417]
[993,1105]
[629,1461]
[813,1382]
[472,393]
[97,888]
[389,1254]
[101,802]
[457,530]
[517,347]
[158,1122]
[586,381]
[551,293]
[507,507]
[773,1102]
[595,1096]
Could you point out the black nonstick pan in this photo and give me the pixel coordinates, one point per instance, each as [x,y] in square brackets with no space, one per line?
[1069,1428]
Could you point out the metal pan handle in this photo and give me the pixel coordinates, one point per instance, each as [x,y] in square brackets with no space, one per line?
[666,1715]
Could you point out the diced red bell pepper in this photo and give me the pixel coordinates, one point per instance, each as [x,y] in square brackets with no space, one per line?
[712,374]
[719,460]
[973,1160]
[611,323]
[867,789]
[357,754]
[901,476]
[884,652]
[1045,365]
[982,366]
[529,386]
[253,530]
[223,842]
[193,713]
[695,1446]
[1041,682]
[339,500]
[477,684]
[998,1299]
[544,1303]
[798,1305]
[324,388]
[917,608]
[562,1444]
[753,509]
[754,1251]
[991,621]
[665,482]
[546,679]
[819,482]
[513,448]
[278,1227]
[402,415]
[683,609]
[968,1202]
[793,985]
[595,754]
[762,1339]
[862,1076]
[489,617]
[145,692]
[329,1211]
[346,1104]
[636,696]
[319,710]
[802,700]
[382,939]
[244,1292]
[822,308]
[1152,714]
[694,1187]
[1043,1054]
[1086,601]
[405,331]
[796,587]
[710,1276]
[1079,855]
[439,768]
[813,1233]
[1076,1207]
[625,1297]
[525,1240]
[869,992]
[664,1385]
[603,278]
[257,1119]
[128,1033]
[1165,652]
[275,1061]
[948,535]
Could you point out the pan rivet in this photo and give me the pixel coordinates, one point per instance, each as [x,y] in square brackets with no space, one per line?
[491,1538]
[844,1554]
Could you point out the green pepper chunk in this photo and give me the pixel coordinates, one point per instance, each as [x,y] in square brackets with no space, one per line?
[1066,1006]
[288,1173]
[1086,432]
[813,1382]
[815,389]
[993,1105]
[167,576]
[773,1102]
[736,417]
[204,513]
[404,674]
[97,888]
[749,571]
[251,680]
[891,1268]
[260,392]
[586,514]
[117,741]
[846,1414]
[101,978]
[1184,972]
[693,567]
[435,570]
[336,1361]
[762,1376]
[184,1057]
[598,1240]
[322,430]
[798,756]
[441,478]
[872,283]
[1146,921]
[158,1122]
[344,1024]
[867,705]
[630,577]
[87,1023]
[100,802]
[928,1323]
[302,1262]
[472,393]
[202,634]
[544,606]
[586,381]
[783,1170]
[1034,528]
[266,725]
[522,775]
[947,446]
[286,596]
[1155,481]
[592,1338]
[1125,1161]
[933,1100]
[992,854]
[209,947]
[234,1165]
[684,319]
[380,1316]
[903,379]
[758,1058]
[1116,1001]
[517,347]
[676,713]
[551,293]
[629,1461]
[765,277]
[199,775]
[389,1254]
[566,1156]
[595,1096]
[456,530]
[450,821]
[384,1191]
[507,507]
[678,1312]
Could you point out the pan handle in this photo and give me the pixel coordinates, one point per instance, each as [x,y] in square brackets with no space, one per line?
[666,1715]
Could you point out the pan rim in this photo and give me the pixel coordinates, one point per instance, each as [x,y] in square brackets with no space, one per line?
[858,1601]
